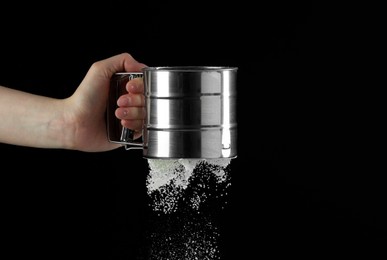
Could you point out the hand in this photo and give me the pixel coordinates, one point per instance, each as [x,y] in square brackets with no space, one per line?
[87,106]
[77,122]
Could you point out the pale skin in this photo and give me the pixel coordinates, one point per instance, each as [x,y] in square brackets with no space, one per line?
[77,122]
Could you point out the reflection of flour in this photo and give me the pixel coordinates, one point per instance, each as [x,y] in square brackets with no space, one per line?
[185,195]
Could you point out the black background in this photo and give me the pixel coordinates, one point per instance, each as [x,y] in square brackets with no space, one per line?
[301,184]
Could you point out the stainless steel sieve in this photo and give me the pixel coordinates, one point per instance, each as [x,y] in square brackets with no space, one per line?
[190,112]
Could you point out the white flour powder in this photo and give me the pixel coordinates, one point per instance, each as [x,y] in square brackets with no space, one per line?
[184,194]
[188,239]
[168,179]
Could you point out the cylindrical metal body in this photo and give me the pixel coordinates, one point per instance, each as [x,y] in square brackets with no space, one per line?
[191,112]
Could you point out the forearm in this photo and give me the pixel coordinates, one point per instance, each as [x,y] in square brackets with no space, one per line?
[30,120]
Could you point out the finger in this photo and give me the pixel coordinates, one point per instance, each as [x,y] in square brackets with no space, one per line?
[130,113]
[137,134]
[135,85]
[131,100]
[122,62]
[133,124]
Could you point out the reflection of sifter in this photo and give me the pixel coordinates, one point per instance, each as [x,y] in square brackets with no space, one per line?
[116,132]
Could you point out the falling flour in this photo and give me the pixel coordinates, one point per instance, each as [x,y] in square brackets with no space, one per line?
[184,195]
[168,180]
[185,238]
